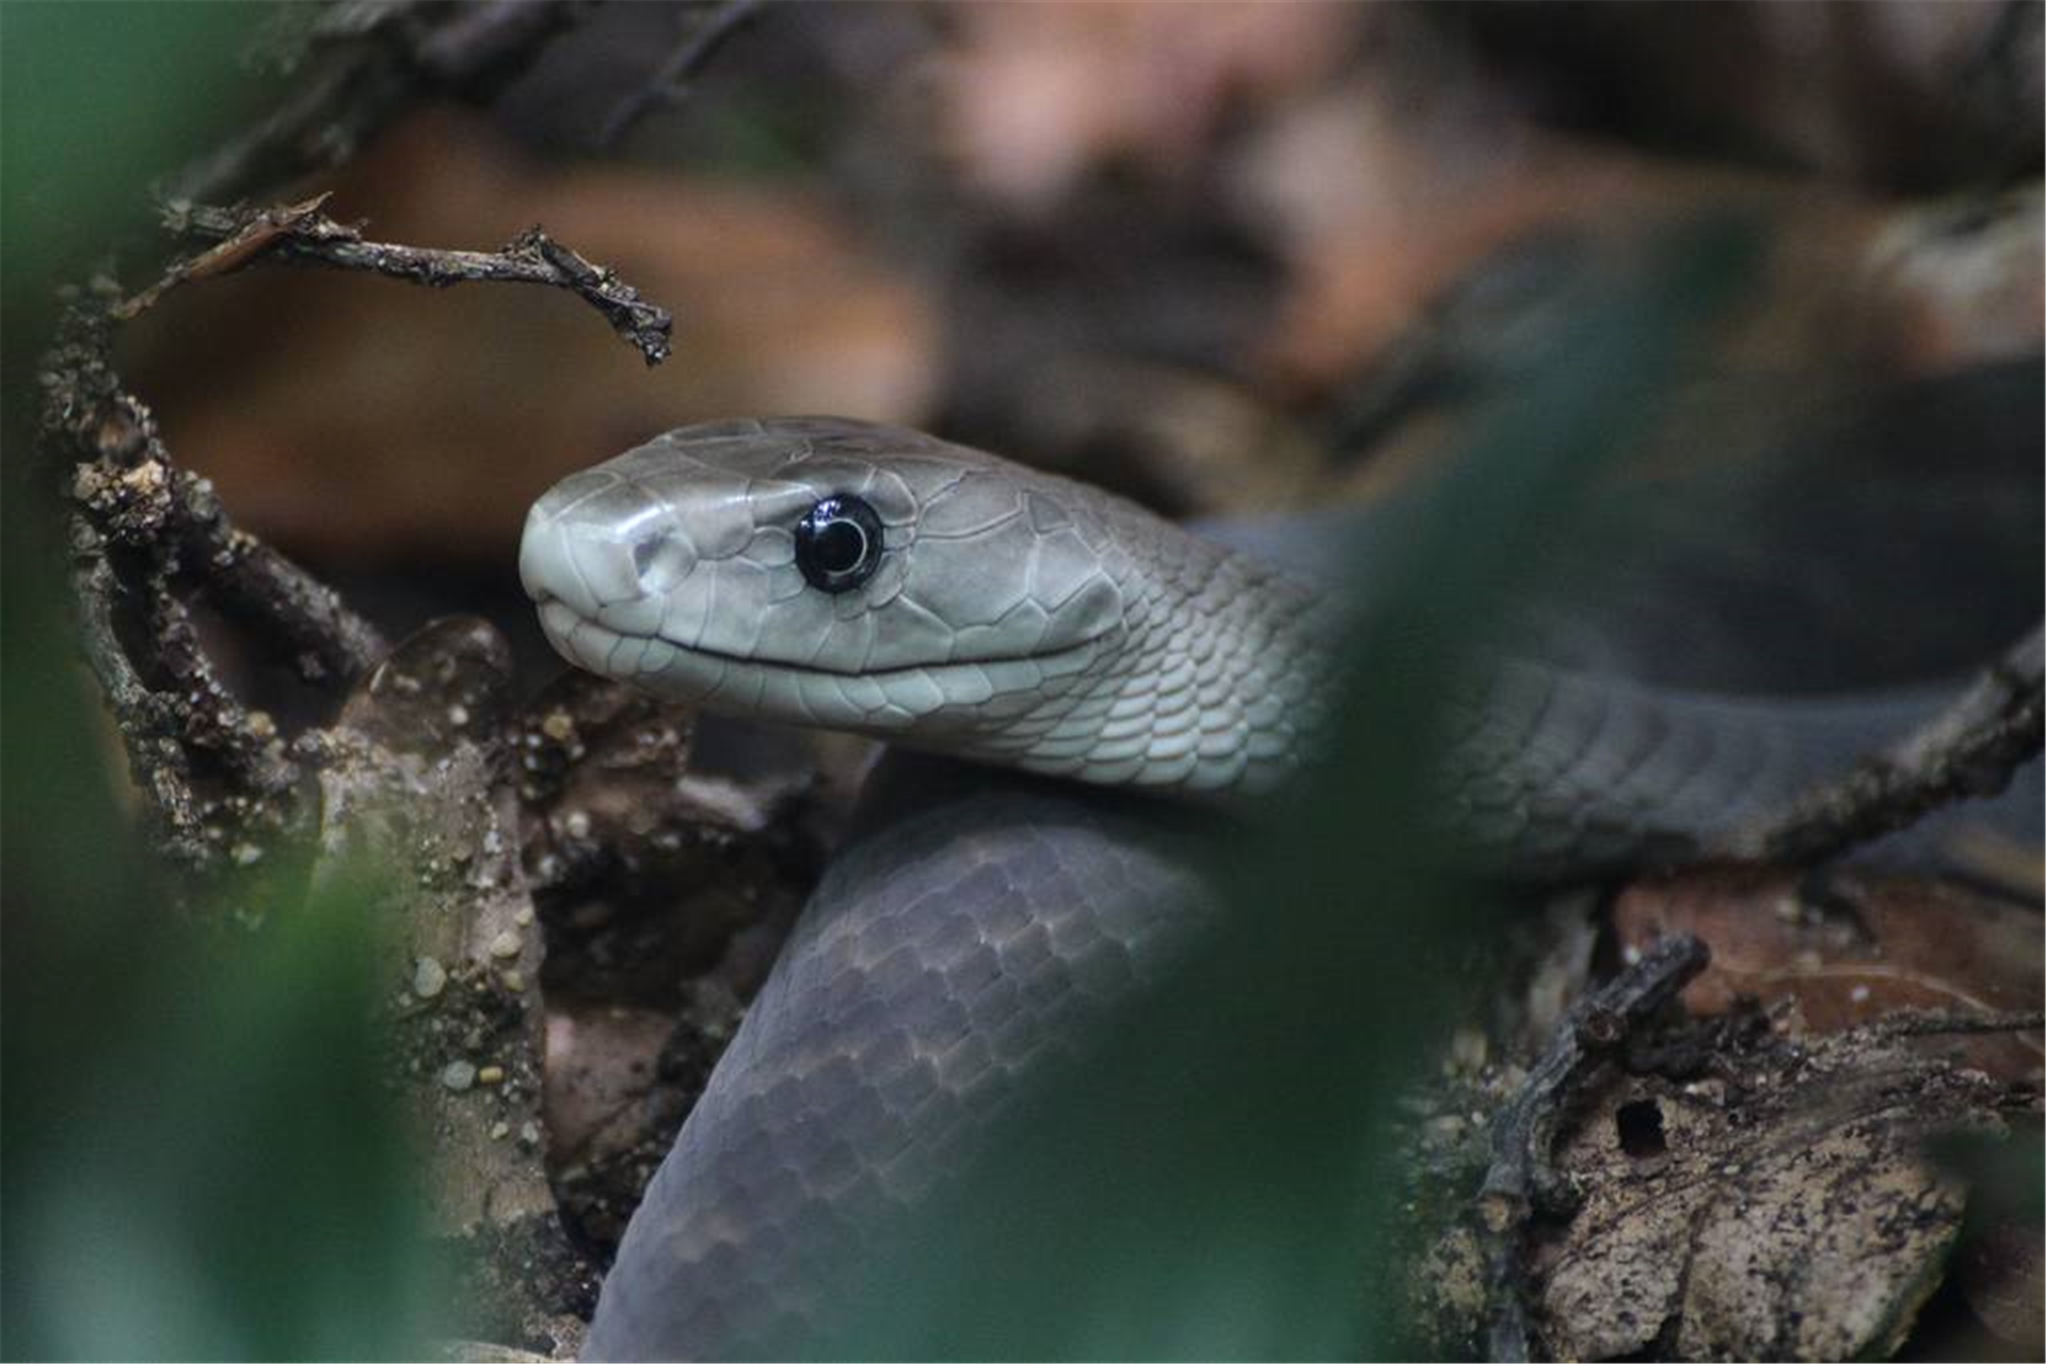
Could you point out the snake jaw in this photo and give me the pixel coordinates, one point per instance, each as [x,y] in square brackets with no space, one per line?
[968,706]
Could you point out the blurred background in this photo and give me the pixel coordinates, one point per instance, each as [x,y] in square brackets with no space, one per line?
[1233,260]
[1192,252]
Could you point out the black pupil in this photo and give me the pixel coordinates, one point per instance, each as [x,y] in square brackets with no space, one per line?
[839,546]
[838,543]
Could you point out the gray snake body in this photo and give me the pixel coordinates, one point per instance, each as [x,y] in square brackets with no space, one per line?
[861,577]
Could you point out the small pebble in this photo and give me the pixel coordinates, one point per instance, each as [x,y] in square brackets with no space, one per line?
[1469,1049]
[490,1075]
[557,726]
[1444,1130]
[513,980]
[524,916]
[529,1133]
[247,854]
[499,1131]
[458,1075]
[428,978]
[505,944]
[145,478]
[576,824]
[458,715]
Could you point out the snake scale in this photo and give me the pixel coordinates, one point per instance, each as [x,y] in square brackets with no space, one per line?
[860,577]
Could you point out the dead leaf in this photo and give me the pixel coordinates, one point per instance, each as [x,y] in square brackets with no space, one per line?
[1035,96]
[1781,1211]
[1383,203]
[1875,946]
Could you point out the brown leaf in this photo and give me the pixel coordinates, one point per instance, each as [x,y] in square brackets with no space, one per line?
[1873,947]
[1781,1211]
[1036,96]
[1380,205]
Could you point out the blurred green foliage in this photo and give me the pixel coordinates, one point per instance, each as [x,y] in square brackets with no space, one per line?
[201,1153]
[97,101]
[1218,1180]
[204,1150]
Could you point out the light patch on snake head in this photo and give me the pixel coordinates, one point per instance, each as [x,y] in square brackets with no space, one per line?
[1008,571]
[812,568]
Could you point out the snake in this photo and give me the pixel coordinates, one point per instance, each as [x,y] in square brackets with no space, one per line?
[861,577]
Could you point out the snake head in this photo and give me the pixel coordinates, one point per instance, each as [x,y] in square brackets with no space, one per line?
[826,572]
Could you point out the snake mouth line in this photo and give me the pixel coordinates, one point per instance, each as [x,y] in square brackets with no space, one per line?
[553,610]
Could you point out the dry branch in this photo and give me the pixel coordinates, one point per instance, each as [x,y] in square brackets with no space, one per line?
[1521,1181]
[149,537]
[358,65]
[670,85]
[1972,748]
[300,234]
[1954,1022]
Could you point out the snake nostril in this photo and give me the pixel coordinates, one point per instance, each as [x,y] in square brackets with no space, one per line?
[661,561]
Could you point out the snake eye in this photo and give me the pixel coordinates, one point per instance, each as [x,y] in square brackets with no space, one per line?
[838,543]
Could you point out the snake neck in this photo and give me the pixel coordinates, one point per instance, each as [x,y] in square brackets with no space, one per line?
[1215,682]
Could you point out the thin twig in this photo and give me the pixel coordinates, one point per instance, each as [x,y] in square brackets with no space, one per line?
[156,760]
[253,582]
[218,721]
[669,85]
[1949,1022]
[300,234]
[1521,1181]
[1972,748]
[241,240]
[359,65]
[136,499]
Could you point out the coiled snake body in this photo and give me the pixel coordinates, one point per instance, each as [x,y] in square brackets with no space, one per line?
[861,577]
